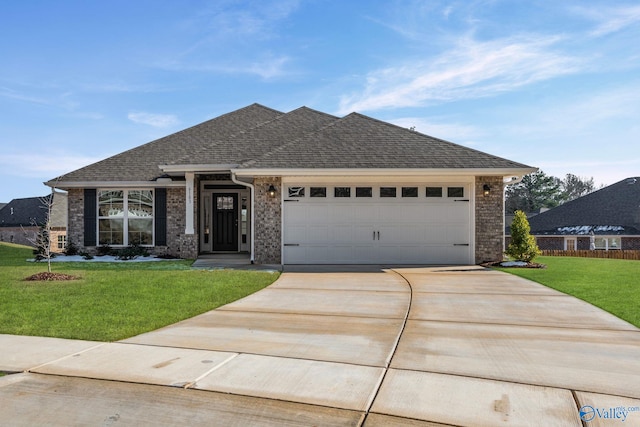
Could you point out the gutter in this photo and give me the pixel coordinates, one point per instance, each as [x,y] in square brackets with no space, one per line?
[253,205]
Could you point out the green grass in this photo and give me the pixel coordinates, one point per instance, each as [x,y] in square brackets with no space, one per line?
[611,284]
[112,301]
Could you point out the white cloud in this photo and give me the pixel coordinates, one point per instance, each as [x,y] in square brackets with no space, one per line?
[611,20]
[471,69]
[155,120]
[267,68]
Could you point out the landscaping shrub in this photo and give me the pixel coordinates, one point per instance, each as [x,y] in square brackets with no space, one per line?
[523,245]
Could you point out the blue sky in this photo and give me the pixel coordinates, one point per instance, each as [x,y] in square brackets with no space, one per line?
[553,84]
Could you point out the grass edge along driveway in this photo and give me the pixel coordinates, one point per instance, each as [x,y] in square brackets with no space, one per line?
[112,301]
[611,284]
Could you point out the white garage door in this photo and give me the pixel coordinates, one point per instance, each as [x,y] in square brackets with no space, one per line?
[427,224]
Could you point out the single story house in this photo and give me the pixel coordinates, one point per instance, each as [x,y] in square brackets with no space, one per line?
[607,219]
[22,219]
[302,187]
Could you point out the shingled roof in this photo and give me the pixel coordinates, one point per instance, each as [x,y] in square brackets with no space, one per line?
[257,137]
[358,141]
[141,163]
[613,210]
[24,212]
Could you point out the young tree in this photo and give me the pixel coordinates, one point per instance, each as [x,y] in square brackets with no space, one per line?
[523,245]
[42,240]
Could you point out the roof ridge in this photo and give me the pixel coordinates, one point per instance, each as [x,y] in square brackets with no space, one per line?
[288,144]
[282,116]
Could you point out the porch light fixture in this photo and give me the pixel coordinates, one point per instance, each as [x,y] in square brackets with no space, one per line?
[486,190]
[272,191]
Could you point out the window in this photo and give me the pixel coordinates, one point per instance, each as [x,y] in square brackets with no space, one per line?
[62,241]
[455,191]
[318,192]
[125,217]
[387,191]
[434,191]
[409,191]
[364,192]
[342,192]
[296,191]
[607,243]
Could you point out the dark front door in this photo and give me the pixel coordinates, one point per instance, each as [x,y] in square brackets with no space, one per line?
[225,222]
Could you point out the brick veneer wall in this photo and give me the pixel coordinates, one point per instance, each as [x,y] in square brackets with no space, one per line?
[178,243]
[489,219]
[630,243]
[268,221]
[551,243]
[75,214]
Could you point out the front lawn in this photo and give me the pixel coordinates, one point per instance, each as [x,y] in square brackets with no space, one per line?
[112,301]
[611,284]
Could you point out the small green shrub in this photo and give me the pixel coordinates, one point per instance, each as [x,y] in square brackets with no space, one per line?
[132,252]
[523,245]
[71,248]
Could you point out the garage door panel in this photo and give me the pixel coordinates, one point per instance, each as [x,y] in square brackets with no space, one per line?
[377,230]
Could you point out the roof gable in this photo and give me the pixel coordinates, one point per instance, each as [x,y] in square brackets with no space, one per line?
[611,210]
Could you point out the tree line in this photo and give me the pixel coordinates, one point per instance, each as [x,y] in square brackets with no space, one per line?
[539,190]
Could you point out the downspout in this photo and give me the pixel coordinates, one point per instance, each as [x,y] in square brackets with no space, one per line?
[253,205]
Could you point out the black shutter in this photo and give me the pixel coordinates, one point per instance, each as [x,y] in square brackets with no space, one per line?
[161,216]
[90,217]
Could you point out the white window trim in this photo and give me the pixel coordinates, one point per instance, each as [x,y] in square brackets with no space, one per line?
[125,222]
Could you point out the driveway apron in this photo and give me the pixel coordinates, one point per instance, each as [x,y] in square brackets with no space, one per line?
[403,346]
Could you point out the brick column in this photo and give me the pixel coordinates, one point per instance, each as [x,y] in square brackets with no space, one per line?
[75,217]
[489,219]
[268,221]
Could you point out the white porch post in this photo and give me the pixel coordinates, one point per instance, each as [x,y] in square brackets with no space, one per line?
[189,220]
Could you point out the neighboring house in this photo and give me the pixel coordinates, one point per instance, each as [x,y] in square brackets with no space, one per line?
[302,187]
[21,219]
[607,219]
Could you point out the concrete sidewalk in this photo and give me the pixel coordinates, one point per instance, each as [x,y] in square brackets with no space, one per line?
[408,346]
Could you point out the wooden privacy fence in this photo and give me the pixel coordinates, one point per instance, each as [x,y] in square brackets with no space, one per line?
[613,254]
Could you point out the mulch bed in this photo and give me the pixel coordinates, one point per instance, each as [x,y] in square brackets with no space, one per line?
[499,264]
[50,277]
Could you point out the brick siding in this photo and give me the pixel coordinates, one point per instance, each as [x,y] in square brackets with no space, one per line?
[268,221]
[489,219]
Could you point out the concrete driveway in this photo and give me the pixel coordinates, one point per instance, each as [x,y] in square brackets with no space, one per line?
[405,346]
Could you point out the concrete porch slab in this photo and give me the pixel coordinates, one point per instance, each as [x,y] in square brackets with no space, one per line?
[535,310]
[390,305]
[31,399]
[456,400]
[357,340]
[556,357]
[21,353]
[330,384]
[138,363]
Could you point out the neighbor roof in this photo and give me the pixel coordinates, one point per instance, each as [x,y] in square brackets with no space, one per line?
[257,137]
[613,210]
[24,212]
